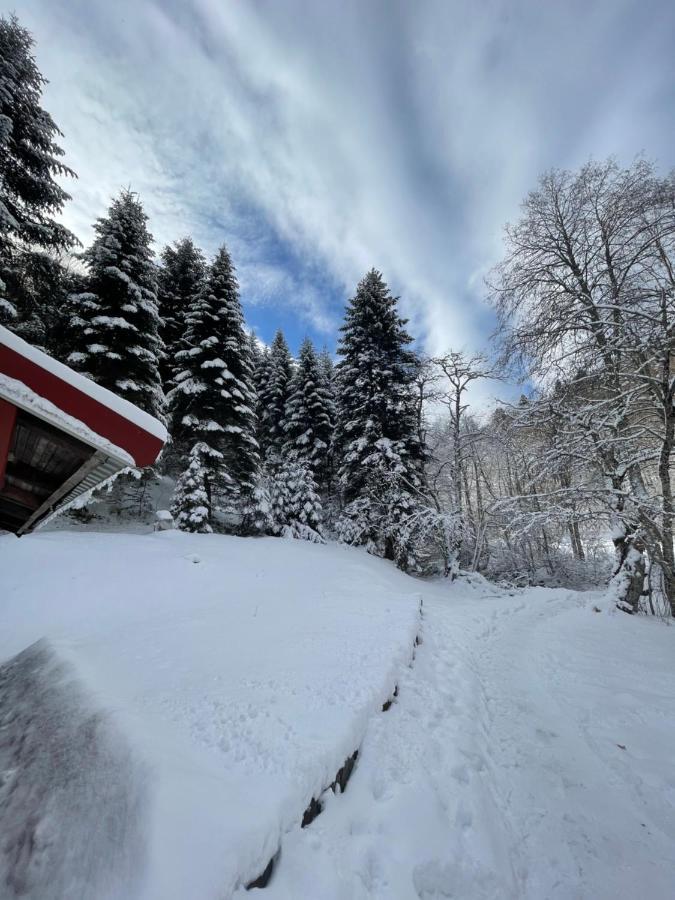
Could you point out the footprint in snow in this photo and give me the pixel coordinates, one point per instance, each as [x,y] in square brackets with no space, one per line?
[460,774]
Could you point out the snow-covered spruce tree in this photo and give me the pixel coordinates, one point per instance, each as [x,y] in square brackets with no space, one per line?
[327,370]
[114,324]
[212,404]
[40,286]
[191,507]
[181,276]
[274,395]
[376,436]
[30,159]
[260,357]
[308,426]
[294,504]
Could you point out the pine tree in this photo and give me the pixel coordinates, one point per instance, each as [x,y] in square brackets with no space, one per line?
[30,159]
[294,505]
[181,276]
[213,402]
[380,453]
[308,426]
[115,324]
[273,398]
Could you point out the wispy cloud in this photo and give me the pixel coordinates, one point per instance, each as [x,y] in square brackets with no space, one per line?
[321,139]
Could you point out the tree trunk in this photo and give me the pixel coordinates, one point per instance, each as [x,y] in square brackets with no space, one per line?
[629,575]
[666,486]
[575,540]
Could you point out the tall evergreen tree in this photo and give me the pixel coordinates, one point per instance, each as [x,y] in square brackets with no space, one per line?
[380,453]
[274,396]
[181,276]
[40,287]
[260,357]
[327,370]
[308,424]
[213,402]
[114,324]
[30,159]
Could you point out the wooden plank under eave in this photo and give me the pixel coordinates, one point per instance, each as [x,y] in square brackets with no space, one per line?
[51,502]
[7,423]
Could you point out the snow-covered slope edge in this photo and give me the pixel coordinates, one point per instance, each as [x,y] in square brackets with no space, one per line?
[72,794]
[240,675]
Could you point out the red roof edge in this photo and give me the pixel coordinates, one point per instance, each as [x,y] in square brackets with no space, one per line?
[140,444]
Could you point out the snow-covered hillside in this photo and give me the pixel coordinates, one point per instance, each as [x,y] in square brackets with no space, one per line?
[190,695]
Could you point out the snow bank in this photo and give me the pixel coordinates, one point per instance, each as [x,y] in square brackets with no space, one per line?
[231,679]
[72,795]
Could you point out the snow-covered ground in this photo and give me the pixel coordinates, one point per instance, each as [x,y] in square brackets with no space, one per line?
[228,681]
[530,752]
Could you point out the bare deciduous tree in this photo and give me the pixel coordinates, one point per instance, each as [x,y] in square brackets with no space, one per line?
[586,299]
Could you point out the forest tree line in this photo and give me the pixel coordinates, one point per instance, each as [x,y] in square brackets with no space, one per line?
[380,448]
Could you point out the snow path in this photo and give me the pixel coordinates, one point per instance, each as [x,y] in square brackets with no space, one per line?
[498,772]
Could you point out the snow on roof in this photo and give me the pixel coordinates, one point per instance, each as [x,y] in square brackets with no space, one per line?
[97,408]
[20,395]
[86,385]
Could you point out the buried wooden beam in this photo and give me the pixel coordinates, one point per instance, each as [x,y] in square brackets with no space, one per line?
[387,704]
[315,807]
[264,878]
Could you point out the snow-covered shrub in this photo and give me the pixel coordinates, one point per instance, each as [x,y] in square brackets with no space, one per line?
[412,532]
[426,540]
[164,520]
[191,506]
[257,517]
[294,504]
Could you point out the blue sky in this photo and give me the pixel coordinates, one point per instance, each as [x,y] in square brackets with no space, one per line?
[319,139]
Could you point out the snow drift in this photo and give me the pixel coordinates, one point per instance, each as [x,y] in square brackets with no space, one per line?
[72,794]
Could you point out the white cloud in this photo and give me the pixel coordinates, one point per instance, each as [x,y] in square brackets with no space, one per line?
[385,134]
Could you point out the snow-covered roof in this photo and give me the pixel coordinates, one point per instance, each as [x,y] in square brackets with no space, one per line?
[76,398]
[23,397]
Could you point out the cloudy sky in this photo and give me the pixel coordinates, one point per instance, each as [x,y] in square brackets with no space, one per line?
[320,138]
